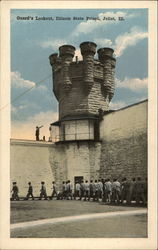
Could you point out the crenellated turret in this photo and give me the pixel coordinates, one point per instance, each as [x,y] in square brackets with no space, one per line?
[83,87]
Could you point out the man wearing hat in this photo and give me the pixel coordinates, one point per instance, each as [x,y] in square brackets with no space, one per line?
[54,193]
[15,191]
[30,192]
[38,132]
[43,191]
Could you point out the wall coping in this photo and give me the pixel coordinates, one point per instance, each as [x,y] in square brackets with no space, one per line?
[126,107]
[25,142]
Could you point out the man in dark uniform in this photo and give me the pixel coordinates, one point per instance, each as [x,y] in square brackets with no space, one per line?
[125,186]
[38,132]
[66,190]
[105,190]
[101,114]
[91,193]
[30,192]
[96,197]
[15,191]
[132,190]
[63,191]
[139,186]
[43,191]
[54,190]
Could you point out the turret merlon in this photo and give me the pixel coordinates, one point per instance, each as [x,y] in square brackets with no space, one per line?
[67,52]
[105,56]
[88,50]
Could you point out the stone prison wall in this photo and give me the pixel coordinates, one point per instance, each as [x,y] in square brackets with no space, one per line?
[124,142]
[121,152]
[30,162]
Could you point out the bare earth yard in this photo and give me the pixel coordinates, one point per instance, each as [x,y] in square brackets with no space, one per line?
[131,226]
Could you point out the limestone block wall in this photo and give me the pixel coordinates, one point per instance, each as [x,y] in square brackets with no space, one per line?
[97,99]
[58,164]
[83,159]
[80,100]
[29,161]
[41,161]
[124,142]
[72,159]
[75,101]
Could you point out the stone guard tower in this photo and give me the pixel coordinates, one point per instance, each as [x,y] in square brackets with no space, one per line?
[84,90]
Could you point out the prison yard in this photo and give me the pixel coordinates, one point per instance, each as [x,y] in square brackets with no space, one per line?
[76,219]
[97,160]
[76,211]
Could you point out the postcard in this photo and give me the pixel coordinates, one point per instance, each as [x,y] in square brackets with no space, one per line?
[78,125]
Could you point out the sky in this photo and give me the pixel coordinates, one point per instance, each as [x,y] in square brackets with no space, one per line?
[33,40]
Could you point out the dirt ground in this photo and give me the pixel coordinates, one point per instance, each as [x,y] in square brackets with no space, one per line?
[132,226]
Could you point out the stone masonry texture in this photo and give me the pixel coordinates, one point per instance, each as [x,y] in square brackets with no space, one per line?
[122,152]
[83,87]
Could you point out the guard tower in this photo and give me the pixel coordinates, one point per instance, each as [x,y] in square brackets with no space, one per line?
[83,89]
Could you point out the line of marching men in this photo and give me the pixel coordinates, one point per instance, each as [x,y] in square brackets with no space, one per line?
[99,190]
